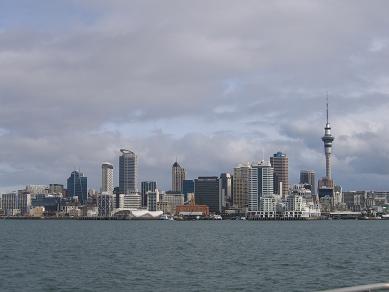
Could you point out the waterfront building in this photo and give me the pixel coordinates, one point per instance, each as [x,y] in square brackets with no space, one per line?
[152,200]
[128,167]
[169,202]
[36,189]
[105,204]
[24,203]
[178,177]
[226,190]
[279,162]
[147,186]
[107,178]
[192,210]
[132,201]
[10,204]
[207,192]
[187,188]
[77,186]
[240,186]
[308,177]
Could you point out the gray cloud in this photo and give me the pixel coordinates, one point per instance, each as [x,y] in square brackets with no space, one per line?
[214,83]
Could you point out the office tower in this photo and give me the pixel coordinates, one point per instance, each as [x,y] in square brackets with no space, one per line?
[279,162]
[107,178]
[128,164]
[240,186]
[307,177]
[226,190]
[147,186]
[326,184]
[178,177]
[207,192]
[105,204]
[187,188]
[77,186]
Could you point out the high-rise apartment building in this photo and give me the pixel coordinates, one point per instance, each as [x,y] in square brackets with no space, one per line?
[178,177]
[147,186]
[279,162]
[308,177]
[128,164]
[77,186]
[107,178]
[207,192]
[260,185]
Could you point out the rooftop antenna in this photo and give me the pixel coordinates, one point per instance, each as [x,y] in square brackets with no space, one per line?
[263,155]
[327,107]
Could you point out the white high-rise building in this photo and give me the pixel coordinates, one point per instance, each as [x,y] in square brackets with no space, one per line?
[107,178]
[260,185]
[128,166]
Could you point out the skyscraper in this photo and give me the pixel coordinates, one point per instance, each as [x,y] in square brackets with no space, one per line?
[279,162]
[128,164]
[326,184]
[77,186]
[107,178]
[240,186]
[226,190]
[260,184]
[178,177]
[307,177]
[207,192]
[147,186]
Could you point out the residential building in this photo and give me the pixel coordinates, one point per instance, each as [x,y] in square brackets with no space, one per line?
[107,178]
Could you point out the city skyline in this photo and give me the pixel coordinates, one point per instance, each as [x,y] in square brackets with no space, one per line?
[212,91]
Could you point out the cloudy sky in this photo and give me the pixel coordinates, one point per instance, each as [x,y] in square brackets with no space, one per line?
[213,83]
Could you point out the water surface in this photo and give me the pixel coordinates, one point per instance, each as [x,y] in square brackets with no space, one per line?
[70,255]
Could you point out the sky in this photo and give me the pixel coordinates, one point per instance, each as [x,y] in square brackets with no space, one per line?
[211,83]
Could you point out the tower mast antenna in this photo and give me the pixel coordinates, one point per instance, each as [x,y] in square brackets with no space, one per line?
[327,107]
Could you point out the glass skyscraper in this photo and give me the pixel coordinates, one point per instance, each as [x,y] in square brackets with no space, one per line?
[77,186]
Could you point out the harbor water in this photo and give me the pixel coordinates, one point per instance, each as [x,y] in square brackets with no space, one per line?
[71,255]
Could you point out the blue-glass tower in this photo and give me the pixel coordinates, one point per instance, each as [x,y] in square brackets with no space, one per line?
[77,186]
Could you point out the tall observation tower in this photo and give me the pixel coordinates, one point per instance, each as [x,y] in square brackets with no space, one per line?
[327,140]
[326,184]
